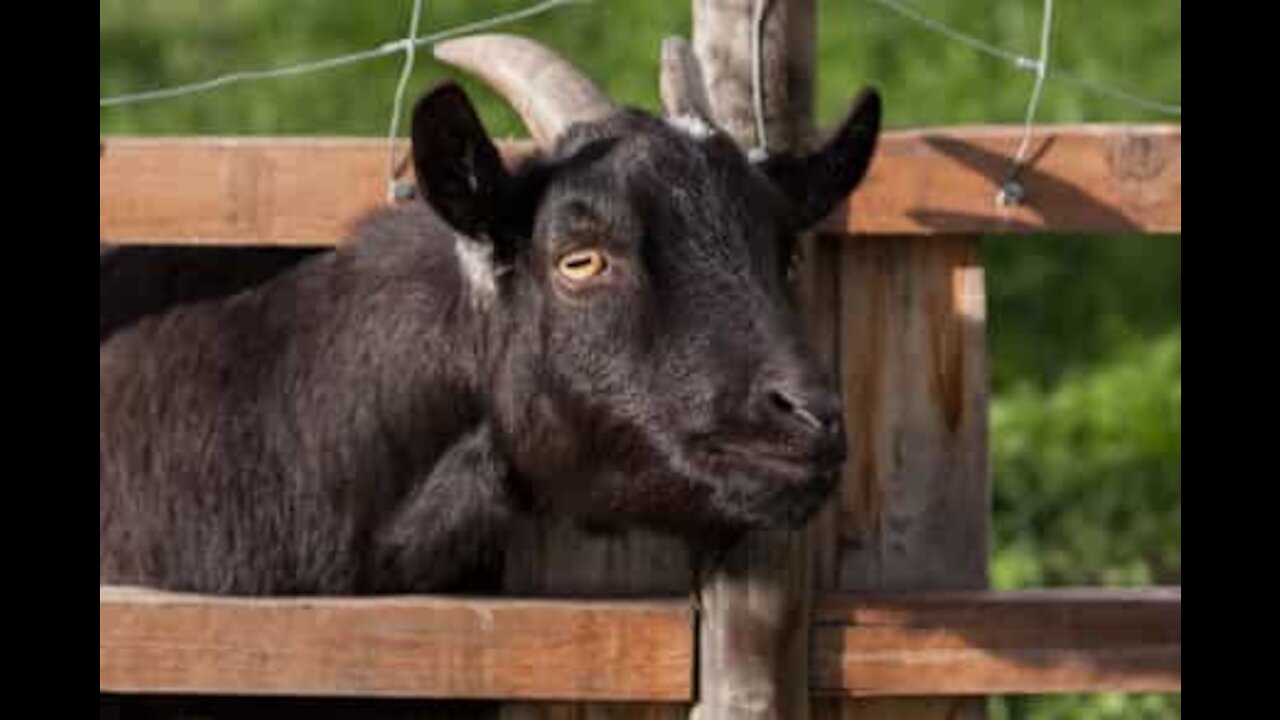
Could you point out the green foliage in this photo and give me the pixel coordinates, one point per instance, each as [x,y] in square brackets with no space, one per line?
[1091,474]
[1104,706]
[1086,332]
[1086,429]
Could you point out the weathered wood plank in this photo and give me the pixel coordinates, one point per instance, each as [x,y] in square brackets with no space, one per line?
[1051,641]
[250,191]
[288,191]
[430,647]
[915,496]
[1078,178]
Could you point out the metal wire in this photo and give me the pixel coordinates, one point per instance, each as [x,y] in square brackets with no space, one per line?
[388,48]
[406,69]
[1023,62]
[1012,191]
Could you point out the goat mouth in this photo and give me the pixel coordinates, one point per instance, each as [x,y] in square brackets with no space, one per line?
[769,462]
[766,486]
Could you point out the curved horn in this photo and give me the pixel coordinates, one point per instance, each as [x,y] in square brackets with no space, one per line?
[681,86]
[545,89]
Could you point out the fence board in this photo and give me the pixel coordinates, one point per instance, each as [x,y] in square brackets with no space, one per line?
[394,647]
[865,645]
[1078,178]
[979,643]
[291,191]
[915,494]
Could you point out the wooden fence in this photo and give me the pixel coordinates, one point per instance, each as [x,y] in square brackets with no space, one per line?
[895,298]
[912,644]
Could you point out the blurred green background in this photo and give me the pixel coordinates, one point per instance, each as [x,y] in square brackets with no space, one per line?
[1086,331]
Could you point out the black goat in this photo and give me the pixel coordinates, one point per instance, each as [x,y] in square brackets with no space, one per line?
[603,334]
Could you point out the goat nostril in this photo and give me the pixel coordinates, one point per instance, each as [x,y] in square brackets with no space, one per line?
[782,403]
[787,406]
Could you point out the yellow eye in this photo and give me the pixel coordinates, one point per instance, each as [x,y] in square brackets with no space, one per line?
[582,264]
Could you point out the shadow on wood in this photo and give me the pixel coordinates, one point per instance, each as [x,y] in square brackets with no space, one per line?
[1054,201]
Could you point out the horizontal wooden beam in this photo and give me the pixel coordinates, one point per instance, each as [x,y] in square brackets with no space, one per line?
[395,647]
[1076,178]
[866,645]
[987,643]
[292,191]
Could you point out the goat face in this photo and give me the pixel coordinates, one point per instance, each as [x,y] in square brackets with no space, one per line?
[647,367]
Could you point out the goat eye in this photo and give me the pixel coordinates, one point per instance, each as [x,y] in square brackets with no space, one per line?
[582,265]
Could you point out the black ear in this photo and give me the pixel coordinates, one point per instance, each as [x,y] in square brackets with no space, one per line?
[459,171]
[819,181]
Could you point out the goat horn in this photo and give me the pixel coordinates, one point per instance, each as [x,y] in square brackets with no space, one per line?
[680,84]
[545,89]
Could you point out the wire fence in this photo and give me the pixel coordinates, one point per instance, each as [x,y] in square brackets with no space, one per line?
[899,7]
[312,66]
[1010,193]
[1023,62]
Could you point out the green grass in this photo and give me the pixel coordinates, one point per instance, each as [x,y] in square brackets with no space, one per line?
[1085,331]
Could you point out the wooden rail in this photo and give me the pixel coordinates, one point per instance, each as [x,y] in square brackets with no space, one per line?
[910,644]
[394,647]
[992,643]
[274,191]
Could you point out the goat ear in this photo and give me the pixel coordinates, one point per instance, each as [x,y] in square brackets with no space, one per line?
[819,181]
[459,171]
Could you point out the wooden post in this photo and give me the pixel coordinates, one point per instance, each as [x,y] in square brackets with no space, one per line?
[754,623]
[915,505]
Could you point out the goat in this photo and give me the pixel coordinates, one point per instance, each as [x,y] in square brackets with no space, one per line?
[602,333]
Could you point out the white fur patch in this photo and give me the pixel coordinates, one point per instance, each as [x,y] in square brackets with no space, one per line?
[693,126]
[475,261]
